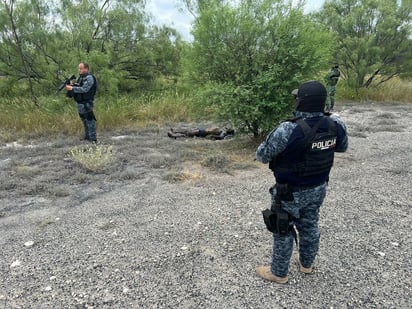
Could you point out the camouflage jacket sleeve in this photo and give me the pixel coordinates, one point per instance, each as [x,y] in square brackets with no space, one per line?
[275,142]
[332,77]
[88,82]
[342,141]
[328,78]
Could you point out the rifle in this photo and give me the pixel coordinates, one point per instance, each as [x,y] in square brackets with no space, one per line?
[67,81]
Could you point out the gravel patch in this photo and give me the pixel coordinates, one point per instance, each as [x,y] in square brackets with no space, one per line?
[178,224]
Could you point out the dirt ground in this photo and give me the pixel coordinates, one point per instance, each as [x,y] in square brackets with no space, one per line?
[177,223]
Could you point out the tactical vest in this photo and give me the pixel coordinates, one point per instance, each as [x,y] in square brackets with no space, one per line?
[334,77]
[88,96]
[313,154]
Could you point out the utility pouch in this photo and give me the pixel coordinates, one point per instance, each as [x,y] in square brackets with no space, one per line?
[269,217]
[276,222]
[282,222]
[283,193]
[276,219]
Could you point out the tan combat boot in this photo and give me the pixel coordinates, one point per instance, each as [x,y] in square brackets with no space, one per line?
[266,273]
[305,270]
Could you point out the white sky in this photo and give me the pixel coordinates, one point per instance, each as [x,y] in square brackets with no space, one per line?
[167,12]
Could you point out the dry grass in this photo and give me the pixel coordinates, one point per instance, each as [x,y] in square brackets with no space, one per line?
[59,191]
[357,134]
[388,128]
[46,222]
[34,189]
[183,176]
[27,171]
[387,122]
[217,162]
[94,157]
[7,136]
[399,171]
[394,90]
[129,173]
[58,114]
[386,115]
[105,226]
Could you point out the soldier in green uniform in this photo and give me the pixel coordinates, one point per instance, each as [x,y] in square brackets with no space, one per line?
[331,80]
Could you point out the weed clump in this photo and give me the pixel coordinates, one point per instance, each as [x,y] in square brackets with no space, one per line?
[217,162]
[183,176]
[94,157]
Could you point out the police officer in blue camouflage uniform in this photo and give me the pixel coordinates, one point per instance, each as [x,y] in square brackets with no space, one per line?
[300,152]
[83,92]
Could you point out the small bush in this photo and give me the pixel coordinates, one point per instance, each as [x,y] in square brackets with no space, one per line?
[387,128]
[183,176]
[59,192]
[95,157]
[46,222]
[387,122]
[218,162]
[386,115]
[7,136]
[106,225]
[27,171]
[130,173]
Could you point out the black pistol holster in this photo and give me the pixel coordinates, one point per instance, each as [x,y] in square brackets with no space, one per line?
[276,219]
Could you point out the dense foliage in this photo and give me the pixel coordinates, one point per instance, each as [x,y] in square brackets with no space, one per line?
[252,55]
[43,41]
[245,58]
[373,38]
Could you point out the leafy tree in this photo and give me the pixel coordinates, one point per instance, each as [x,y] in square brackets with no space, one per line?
[41,43]
[108,34]
[373,38]
[22,43]
[117,38]
[251,55]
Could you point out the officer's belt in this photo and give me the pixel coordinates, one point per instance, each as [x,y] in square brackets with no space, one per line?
[304,188]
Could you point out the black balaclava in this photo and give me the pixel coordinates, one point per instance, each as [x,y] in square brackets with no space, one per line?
[311,97]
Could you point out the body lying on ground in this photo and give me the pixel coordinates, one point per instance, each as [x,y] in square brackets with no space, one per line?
[212,133]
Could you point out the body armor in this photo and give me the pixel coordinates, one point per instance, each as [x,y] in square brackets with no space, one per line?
[311,155]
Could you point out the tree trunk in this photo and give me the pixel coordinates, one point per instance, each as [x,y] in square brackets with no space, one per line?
[18,42]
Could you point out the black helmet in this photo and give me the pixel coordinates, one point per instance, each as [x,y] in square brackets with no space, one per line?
[311,97]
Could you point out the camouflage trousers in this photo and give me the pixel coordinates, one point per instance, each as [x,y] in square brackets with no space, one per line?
[330,101]
[89,122]
[305,212]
